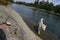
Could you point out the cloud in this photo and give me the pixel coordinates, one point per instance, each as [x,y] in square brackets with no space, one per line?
[44,0]
[56,3]
[28,1]
[50,0]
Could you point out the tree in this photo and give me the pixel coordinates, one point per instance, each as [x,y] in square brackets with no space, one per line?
[36,3]
[57,8]
[10,1]
[6,1]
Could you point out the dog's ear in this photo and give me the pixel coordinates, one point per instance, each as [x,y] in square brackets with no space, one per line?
[42,19]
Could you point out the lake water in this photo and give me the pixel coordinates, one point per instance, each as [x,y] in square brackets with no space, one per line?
[52,21]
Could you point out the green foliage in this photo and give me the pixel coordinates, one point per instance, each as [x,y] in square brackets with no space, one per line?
[46,5]
[36,3]
[10,1]
[6,0]
[57,8]
[16,30]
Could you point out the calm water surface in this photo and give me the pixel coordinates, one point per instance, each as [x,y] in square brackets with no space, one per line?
[52,21]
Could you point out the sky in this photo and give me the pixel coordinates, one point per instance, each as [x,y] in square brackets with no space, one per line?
[32,1]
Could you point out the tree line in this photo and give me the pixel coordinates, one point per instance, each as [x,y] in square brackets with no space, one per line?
[1,1]
[49,6]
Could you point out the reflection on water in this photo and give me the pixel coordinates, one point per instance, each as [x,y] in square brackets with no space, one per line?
[52,21]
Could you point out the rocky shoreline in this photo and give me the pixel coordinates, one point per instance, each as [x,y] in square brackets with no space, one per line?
[18,30]
[9,30]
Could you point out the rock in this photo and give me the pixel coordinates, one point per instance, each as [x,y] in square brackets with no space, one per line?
[8,23]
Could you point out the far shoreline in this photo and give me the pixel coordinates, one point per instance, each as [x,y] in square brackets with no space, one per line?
[50,12]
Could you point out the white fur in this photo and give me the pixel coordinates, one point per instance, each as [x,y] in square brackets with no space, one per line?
[41,26]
